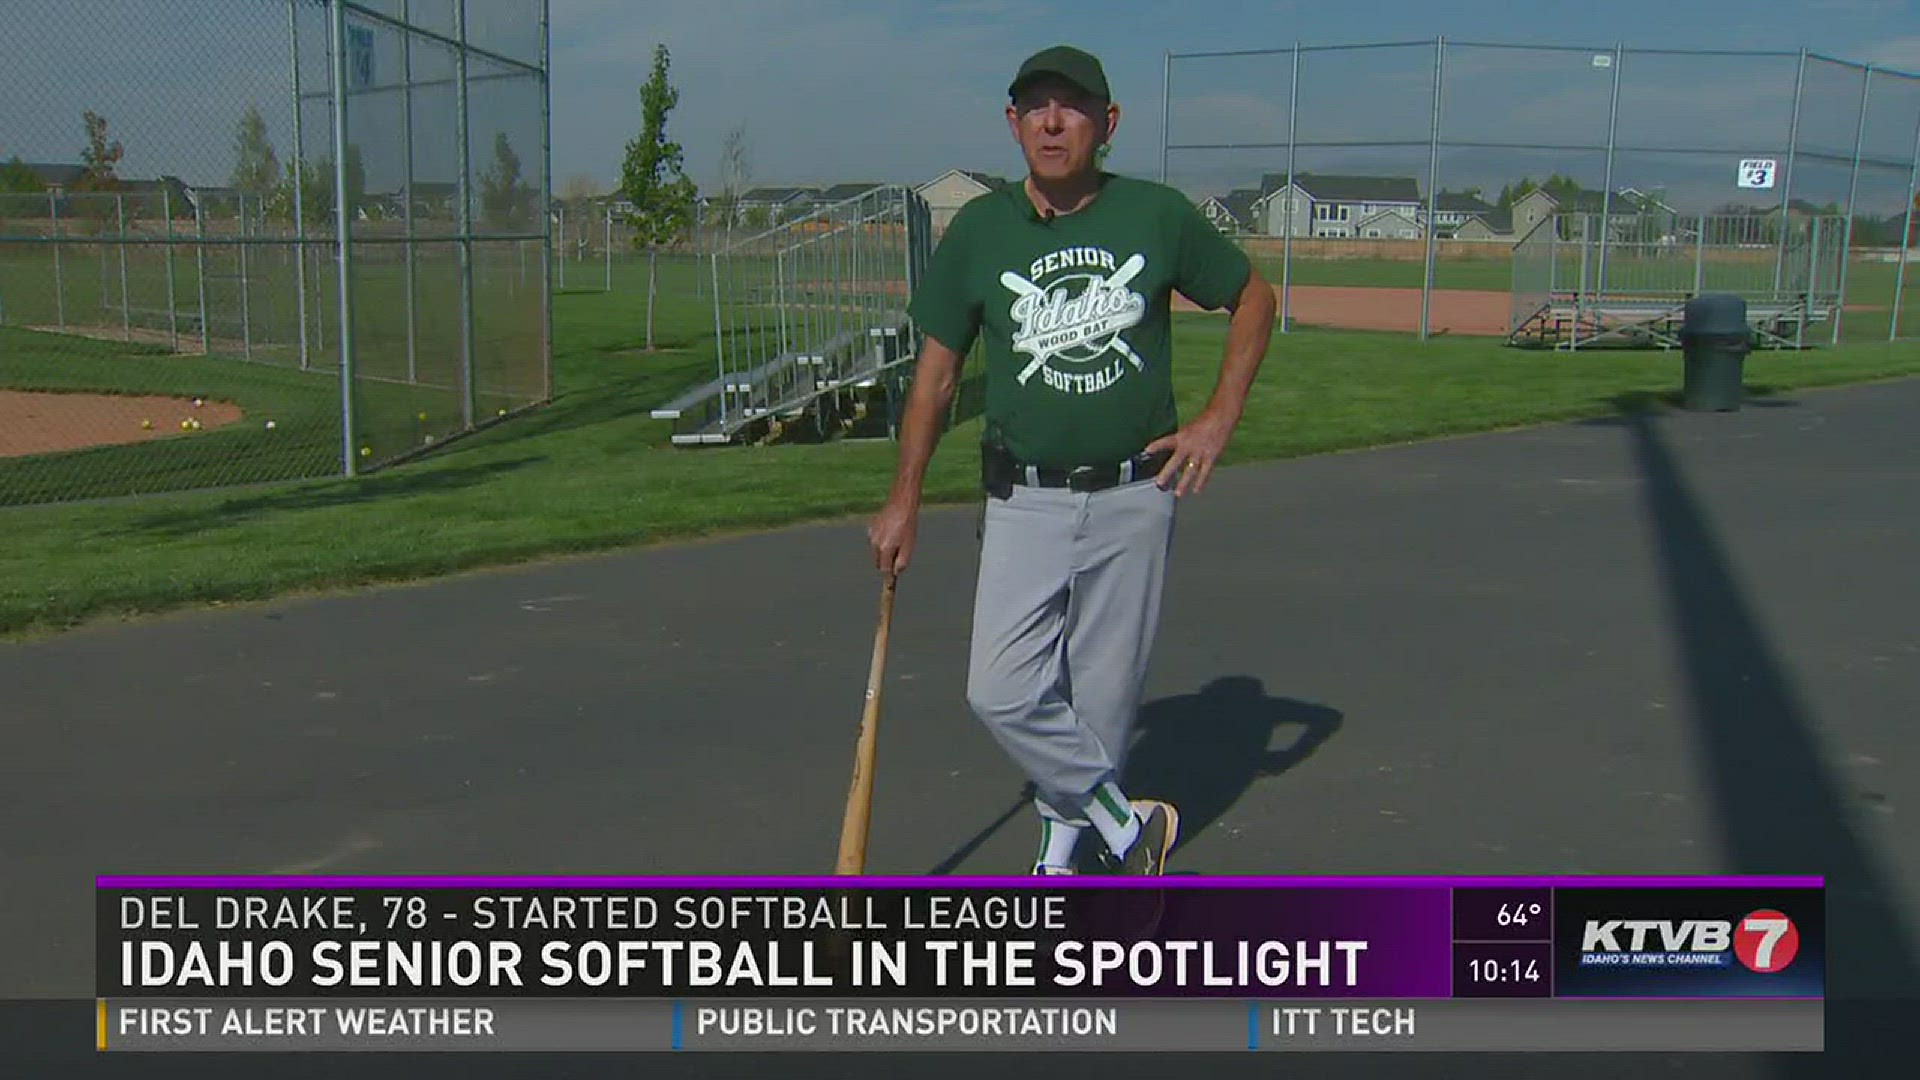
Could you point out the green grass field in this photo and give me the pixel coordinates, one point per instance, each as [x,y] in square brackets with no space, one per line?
[593,472]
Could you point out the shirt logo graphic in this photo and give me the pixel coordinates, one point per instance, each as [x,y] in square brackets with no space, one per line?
[1057,323]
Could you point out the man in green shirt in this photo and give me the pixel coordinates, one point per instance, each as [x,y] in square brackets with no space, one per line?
[1068,278]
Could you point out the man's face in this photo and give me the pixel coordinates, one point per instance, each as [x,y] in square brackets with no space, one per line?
[1059,126]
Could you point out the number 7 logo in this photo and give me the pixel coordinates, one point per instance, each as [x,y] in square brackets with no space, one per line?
[1766,941]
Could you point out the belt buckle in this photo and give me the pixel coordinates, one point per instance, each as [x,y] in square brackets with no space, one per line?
[1080,478]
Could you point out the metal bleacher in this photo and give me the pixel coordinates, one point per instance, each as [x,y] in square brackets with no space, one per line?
[810,322]
[790,386]
[1581,280]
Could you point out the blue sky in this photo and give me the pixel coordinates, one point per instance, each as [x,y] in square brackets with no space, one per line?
[844,90]
[861,90]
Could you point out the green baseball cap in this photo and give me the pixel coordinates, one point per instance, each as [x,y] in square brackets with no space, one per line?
[1065,62]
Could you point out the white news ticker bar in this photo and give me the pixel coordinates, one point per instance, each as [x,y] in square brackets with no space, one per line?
[985,1025]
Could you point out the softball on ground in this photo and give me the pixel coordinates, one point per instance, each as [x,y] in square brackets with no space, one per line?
[366,451]
[194,424]
[503,412]
[197,402]
[146,425]
[423,416]
[269,425]
[185,424]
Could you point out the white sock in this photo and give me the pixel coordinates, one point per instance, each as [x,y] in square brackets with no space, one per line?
[1057,841]
[1114,816]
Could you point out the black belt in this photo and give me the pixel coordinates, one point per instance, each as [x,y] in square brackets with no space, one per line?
[1086,478]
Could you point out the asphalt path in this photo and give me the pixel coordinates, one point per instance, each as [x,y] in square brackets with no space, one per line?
[1652,643]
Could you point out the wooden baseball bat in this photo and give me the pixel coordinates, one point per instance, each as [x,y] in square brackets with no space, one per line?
[859,816]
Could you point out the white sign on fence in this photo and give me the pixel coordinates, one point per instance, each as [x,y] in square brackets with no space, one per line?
[1756,172]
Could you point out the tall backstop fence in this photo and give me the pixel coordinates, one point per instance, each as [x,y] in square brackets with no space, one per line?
[261,240]
[1557,193]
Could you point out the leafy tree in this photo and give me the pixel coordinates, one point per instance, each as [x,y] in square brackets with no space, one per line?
[100,157]
[316,195]
[17,179]
[255,166]
[505,201]
[651,177]
[736,168]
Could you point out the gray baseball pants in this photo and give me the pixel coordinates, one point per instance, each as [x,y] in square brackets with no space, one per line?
[1064,615]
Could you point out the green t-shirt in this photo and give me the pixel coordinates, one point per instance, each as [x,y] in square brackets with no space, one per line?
[1075,313]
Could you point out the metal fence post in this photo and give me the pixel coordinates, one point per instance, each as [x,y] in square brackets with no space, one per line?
[1853,192]
[59,283]
[299,175]
[1166,109]
[1433,185]
[563,245]
[1813,277]
[406,210]
[467,216]
[1292,193]
[1580,294]
[200,271]
[1906,236]
[1606,191]
[342,222]
[1700,255]
[120,216]
[607,248]
[719,337]
[1786,184]
[246,294]
[546,200]
[173,317]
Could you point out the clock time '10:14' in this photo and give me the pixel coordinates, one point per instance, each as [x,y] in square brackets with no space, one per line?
[1487,970]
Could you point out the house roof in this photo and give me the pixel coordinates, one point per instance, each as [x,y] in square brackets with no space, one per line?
[1238,203]
[1457,201]
[839,192]
[1390,212]
[1337,188]
[169,182]
[985,180]
[1498,219]
[777,194]
[56,174]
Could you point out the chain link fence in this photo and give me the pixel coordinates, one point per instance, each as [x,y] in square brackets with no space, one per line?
[177,307]
[1387,186]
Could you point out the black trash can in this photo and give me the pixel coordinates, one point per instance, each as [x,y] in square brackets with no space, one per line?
[1716,340]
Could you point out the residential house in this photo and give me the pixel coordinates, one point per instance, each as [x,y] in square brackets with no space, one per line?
[153,196]
[1452,209]
[948,192]
[773,205]
[1493,223]
[1333,206]
[1232,212]
[1396,223]
[1529,210]
[842,192]
[58,178]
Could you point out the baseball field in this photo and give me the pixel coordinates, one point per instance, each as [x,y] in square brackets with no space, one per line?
[592,471]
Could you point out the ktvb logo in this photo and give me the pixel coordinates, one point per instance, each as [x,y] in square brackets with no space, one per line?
[1765,941]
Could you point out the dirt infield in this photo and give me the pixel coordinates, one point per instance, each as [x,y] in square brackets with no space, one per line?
[44,423]
[1454,311]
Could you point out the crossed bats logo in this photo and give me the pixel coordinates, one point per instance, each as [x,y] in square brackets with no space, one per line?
[1083,327]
